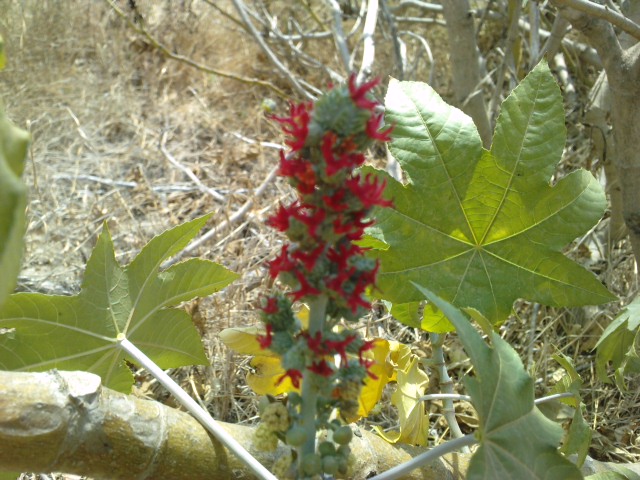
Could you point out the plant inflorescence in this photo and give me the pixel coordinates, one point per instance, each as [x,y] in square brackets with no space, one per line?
[325,268]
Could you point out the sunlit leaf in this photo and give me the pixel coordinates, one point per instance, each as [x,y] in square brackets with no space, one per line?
[79,332]
[577,437]
[243,340]
[13,200]
[483,228]
[618,345]
[516,439]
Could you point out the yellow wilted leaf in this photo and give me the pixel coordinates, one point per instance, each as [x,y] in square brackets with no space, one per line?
[268,372]
[414,422]
[243,340]
[400,358]
[389,357]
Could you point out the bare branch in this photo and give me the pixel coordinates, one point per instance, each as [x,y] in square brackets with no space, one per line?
[268,52]
[600,33]
[606,13]
[188,61]
[554,40]
[186,170]
[338,35]
[369,50]
[399,48]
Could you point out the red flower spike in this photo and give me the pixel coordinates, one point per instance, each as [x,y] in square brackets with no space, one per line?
[300,170]
[305,287]
[340,347]
[359,93]
[369,191]
[271,307]
[315,343]
[308,259]
[311,216]
[335,201]
[294,375]
[373,129]
[282,263]
[280,221]
[321,368]
[296,125]
[340,256]
[266,339]
[334,164]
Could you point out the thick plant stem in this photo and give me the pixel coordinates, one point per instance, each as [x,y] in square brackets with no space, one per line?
[196,410]
[317,315]
[446,386]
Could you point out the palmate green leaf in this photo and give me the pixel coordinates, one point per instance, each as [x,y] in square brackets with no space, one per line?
[516,439]
[617,345]
[483,228]
[13,202]
[79,332]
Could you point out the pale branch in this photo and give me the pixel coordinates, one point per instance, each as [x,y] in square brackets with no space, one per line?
[338,35]
[369,49]
[68,422]
[186,170]
[600,33]
[465,66]
[399,48]
[188,61]
[506,63]
[237,215]
[605,12]
[622,67]
[268,52]
[558,30]
[446,385]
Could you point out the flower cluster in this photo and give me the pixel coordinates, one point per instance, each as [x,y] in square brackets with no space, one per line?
[322,264]
[334,201]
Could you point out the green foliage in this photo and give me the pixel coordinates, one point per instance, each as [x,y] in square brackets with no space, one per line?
[516,439]
[13,200]
[618,345]
[483,228]
[620,473]
[79,332]
[577,437]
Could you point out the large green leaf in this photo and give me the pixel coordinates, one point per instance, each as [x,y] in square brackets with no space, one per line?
[618,345]
[484,228]
[516,439]
[80,332]
[13,202]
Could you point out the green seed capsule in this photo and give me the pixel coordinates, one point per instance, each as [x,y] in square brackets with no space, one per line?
[330,465]
[296,436]
[327,448]
[311,464]
[342,435]
[263,403]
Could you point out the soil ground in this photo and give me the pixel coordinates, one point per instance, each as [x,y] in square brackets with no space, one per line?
[115,124]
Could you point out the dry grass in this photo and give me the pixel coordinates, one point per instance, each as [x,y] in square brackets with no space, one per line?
[99,101]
